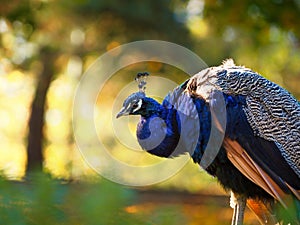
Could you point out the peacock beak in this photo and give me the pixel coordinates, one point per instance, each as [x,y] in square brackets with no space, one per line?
[123,112]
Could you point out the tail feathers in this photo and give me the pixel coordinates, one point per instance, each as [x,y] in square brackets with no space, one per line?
[262,210]
[290,215]
[296,202]
[274,213]
[298,210]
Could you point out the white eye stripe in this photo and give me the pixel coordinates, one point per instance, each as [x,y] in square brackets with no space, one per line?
[127,107]
[139,105]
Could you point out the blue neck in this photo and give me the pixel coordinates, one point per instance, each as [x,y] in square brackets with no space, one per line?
[165,126]
[165,132]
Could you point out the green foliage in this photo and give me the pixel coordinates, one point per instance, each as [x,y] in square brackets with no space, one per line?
[254,16]
[47,201]
[168,215]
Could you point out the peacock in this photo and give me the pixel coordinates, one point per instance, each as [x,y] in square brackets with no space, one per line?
[257,124]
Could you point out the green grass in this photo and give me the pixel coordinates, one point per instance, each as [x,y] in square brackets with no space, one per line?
[95,201]
[48,201]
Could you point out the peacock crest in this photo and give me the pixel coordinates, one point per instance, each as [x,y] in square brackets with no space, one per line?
[141,79]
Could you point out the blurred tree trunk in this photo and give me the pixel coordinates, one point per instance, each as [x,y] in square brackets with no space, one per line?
[36,120]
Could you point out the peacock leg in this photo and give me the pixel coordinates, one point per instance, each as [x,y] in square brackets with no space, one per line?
[233,221]
[241,210]
[233,204]
[238,203]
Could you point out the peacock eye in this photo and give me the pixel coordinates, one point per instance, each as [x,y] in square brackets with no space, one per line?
[137,105]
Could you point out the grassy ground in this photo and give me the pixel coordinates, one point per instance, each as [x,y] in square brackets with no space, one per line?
[169,207]
[47,201]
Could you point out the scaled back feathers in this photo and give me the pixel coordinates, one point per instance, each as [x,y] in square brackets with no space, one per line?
[271,111]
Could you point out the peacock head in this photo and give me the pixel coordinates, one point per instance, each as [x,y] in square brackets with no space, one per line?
[137,103]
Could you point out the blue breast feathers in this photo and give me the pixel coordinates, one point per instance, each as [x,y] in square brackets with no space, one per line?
[159,133]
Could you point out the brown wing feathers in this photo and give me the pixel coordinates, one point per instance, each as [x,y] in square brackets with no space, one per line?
[243,162]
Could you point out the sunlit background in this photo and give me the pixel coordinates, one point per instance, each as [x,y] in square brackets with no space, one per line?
[59,40]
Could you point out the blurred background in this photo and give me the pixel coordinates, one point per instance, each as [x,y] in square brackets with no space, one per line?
[45,47]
